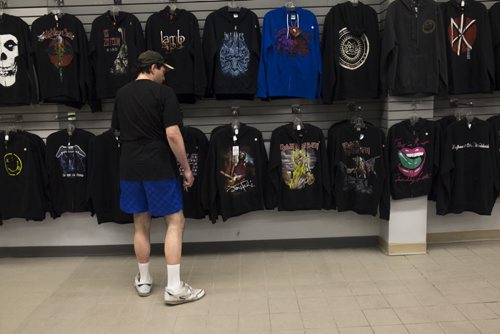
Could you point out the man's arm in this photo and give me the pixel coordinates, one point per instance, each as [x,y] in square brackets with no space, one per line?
[176,142]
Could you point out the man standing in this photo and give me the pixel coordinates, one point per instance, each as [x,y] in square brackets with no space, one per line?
[148,117]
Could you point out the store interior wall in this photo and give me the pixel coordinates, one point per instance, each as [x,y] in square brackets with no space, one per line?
[81,229]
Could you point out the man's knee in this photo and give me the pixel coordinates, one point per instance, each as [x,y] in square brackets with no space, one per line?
[175,220]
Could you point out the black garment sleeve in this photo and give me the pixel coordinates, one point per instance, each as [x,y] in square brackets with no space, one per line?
[331,163]
[441,54]
[29,63]
[171,110]
[94,102]
[328,46]
[209,52]
[446,167]
[200,79]
[325,173]
[389,50]
[494,161]
[487,50]
[385,200]
[149,32]
[115,123]
[273,185]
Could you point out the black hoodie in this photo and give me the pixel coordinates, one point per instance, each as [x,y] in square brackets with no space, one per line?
[495,125]
[67,168]
[115,43]
[413,56]
[298,168]
[17,74]
[471,66]
[359,166]
[414,153]
[495,34]
[236,172]
[104,178]
[468,169]
[351,53]
[196,144]
[231,45]
[23,177]
[61,59]
[177,38]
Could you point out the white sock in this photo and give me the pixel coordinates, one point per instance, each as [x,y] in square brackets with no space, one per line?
[145,277]
[173,277]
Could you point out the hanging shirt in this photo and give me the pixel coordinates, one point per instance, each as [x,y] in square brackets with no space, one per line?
[196,144]
[176,36]
[468,170]
[104,178]
[471,66]
[414,152]
[23,177]
[298,168]
[495,35]
[290,61]
[231,45]
[351,53]
[413,55]
[67,168]
[236,172]
[359,168]
[17,75]
[115,43]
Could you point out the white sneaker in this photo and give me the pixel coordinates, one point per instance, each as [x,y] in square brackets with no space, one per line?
[185,295]
[143,289]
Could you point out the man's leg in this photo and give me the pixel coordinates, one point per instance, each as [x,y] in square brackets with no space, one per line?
[176,291]
[173,248]
[142,247]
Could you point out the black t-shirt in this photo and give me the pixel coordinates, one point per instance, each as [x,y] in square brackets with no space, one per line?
[143,109]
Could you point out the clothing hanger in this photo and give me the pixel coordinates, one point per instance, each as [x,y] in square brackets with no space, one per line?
[14,127]
[298,124]
[3,5]
[460,114]
[115,9]
[355,2]
[233,7]
[70,126]
[57,9]
[414,117]
[173,6]
[290,5]
[356,119]
[235,122]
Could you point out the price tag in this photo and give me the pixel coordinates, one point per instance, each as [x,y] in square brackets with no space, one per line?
[299,127]
[236,151]
[236,15]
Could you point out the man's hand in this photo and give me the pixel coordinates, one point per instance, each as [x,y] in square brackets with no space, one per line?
[188,179]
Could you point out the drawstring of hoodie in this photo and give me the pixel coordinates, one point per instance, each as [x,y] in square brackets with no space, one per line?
[288,23]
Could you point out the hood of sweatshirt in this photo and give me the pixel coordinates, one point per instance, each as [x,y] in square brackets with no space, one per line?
[175,15]
[354,17]
[233,17]
[458,3]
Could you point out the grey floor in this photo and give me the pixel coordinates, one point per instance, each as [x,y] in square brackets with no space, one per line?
[454,289]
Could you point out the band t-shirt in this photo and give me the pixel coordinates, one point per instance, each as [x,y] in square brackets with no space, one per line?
[143,109]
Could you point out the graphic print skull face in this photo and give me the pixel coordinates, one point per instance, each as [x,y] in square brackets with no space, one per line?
[234,55]
[8,66]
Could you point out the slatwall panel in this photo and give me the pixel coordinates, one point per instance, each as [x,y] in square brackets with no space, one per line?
[206,114]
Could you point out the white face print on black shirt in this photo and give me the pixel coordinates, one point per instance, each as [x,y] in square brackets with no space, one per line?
[8,54]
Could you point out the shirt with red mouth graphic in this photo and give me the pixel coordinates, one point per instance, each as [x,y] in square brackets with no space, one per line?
[414,158]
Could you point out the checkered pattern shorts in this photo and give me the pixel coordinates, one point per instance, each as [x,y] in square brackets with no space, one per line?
[159,198]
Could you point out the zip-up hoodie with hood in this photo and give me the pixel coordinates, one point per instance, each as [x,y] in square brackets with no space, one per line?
[358,161]
[176,36]
[471,67]
[290,62]
[231,45]
[351,53]
[495,34]
[236,172]
[17,75]
[298,169]
[115,43]
[413,56]
[61,58]
[468,172]
[414,153]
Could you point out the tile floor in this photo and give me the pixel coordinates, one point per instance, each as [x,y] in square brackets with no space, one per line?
[454,289]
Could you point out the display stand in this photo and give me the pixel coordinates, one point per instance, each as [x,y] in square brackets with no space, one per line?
[406,231]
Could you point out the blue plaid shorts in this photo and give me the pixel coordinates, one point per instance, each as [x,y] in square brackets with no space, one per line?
[159,198]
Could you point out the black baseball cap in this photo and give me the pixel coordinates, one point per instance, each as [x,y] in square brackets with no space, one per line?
[152,57]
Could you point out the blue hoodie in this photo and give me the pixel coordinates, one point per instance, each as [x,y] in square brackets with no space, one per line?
[290,62]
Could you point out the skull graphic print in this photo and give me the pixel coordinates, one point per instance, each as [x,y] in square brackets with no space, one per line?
[8,66]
